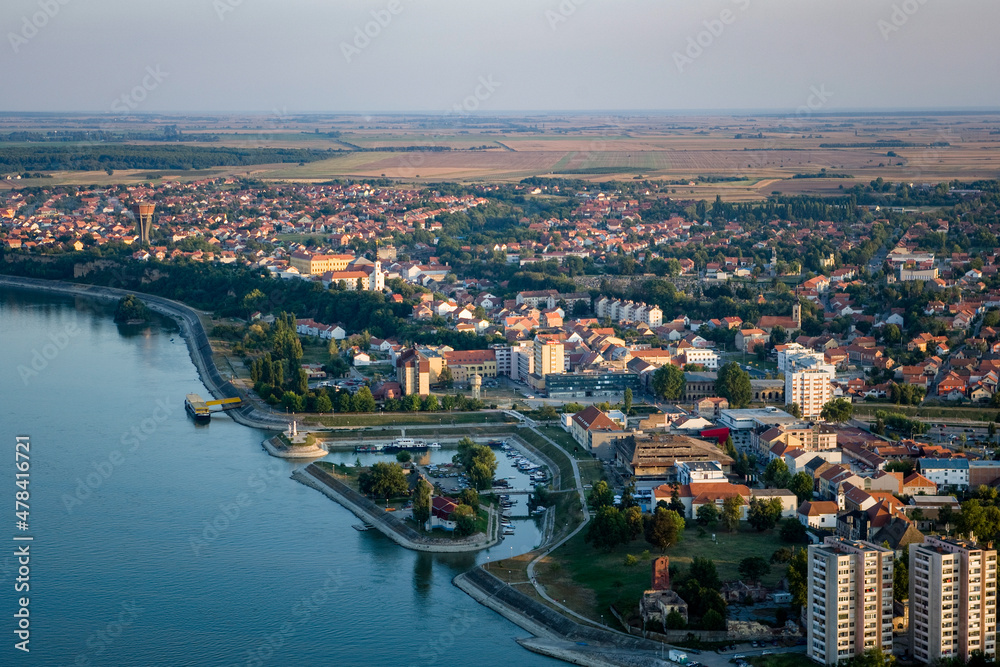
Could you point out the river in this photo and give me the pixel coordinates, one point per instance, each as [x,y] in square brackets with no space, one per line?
[161,542]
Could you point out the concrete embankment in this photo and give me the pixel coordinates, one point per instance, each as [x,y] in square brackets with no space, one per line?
[191,329]
[276,448]
[558,636]
[385,522]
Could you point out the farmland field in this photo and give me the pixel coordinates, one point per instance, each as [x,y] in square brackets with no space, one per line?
[761,153]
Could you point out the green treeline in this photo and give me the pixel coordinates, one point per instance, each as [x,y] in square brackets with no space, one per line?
[54,157]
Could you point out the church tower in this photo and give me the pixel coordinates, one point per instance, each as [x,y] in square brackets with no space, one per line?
[797,314]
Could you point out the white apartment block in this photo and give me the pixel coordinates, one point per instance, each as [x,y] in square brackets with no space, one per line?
[795,357]
[504,357]
[708,358]
[628,311]
[810,388]
[849,605]
[953,604]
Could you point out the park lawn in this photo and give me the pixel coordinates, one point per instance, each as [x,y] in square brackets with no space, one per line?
[591,472]
[944,413]
[601,578]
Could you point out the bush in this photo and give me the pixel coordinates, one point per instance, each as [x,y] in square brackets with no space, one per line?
[630,560]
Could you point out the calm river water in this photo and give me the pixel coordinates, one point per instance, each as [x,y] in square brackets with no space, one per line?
[159,542]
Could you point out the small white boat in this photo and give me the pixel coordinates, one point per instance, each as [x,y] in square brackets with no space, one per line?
[508,531]
[434,445]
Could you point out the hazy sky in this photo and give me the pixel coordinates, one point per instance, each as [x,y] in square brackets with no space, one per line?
[429,55]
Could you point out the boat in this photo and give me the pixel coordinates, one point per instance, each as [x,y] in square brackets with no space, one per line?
[196,407]
[434,445]
[360,527]
[508,531]
[368,449]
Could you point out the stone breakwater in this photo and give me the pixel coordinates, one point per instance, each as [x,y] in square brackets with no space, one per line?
[385,522]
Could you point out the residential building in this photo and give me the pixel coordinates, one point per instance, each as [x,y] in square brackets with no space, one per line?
[744,424]
[699,471]
[945,472]
[810,388]
[849,604]
[953,601]
[595,431]
[466,363]
[413,373]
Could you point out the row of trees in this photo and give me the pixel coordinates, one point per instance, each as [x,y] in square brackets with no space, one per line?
[479,461]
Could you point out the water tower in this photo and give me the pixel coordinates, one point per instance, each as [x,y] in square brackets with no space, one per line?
[476,384]
[144,220]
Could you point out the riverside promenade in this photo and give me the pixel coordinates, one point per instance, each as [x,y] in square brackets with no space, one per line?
[388,524]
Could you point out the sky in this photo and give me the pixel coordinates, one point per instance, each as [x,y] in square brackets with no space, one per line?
[491,56]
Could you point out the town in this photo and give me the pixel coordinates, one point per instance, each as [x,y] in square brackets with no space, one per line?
[747,367]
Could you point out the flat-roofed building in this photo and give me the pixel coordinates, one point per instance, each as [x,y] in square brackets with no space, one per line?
[953,586]
[849,602]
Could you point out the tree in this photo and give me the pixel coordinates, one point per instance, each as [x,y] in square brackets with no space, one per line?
[323,403]
[873,657]
[795,410]
[802,486]
[628,498]
[634,521]
[708,515]
[548,413]
[608,529]
[668,382]
[384,480]
[676,504]
[446,378]
[601,495]
[469,497]
[703,571]
[753,568]
[798,577]
[429,404]
[733,383]
[465,520]
[731,510]
[404,456]
[792,531]
[674,621]
[713,620]
[781,555]
[627,403]
[779,336]
[422,501]
[838,410]
[777,475]
[764,514]
[901,579]
[664,528]
[412,403]
[363,401]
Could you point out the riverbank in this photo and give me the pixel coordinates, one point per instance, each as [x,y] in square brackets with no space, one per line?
[387,524]
[191,330]
[555,635]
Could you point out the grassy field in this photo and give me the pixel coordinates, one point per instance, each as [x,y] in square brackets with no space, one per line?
[942,413]
[591,580]
[558,456]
